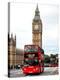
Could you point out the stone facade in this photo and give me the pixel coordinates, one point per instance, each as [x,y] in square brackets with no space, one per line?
[37,29]
[19,57]
[15,56]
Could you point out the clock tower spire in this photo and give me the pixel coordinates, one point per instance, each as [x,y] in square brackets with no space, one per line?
[37,28]
[37,15]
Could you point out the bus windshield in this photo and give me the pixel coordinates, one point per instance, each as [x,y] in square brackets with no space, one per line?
[31,48]
[31,59]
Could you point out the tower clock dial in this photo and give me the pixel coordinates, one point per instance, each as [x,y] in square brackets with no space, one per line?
[36,27]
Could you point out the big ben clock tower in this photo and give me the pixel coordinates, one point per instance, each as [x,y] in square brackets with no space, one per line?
[37,29]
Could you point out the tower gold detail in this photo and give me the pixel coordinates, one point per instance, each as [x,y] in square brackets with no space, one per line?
[37,29]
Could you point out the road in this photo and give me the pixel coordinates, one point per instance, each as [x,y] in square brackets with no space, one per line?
[47,71]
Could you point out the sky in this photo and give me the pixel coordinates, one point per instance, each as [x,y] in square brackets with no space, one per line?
[21,17]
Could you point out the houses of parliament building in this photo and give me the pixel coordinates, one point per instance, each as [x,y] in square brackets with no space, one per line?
[16,56]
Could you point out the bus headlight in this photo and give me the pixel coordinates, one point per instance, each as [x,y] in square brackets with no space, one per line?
[37,68]
[24,69]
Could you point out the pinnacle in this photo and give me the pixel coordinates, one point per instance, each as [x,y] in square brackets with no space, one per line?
[37,9]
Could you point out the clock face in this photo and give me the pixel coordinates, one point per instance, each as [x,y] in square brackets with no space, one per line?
[36,27]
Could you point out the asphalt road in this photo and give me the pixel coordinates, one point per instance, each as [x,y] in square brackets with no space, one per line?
[47,71]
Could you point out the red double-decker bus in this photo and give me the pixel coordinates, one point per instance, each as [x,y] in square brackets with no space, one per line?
[33,59]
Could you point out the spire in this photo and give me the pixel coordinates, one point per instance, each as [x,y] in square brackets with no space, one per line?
[15,36]
[37,16]
[37,9]
[15,40]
